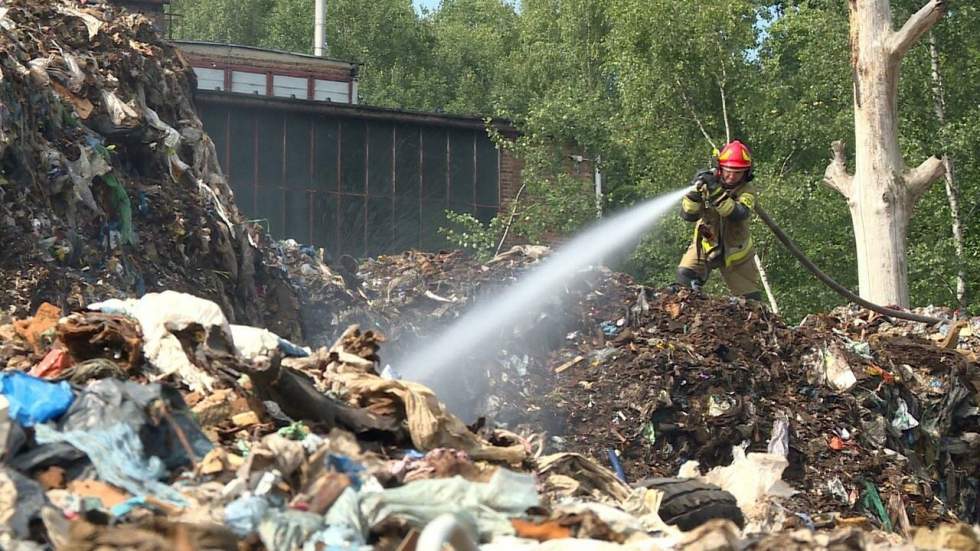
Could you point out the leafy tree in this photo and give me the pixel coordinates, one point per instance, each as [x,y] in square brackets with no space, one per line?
[225,21]
[394,46]
[472,37]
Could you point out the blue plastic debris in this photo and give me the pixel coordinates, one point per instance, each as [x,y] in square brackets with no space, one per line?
[243,515]
[609,328]
[34,400]
[414,454]
[291,349]
[346,465]
[616,465]
[117,454]
[126,507]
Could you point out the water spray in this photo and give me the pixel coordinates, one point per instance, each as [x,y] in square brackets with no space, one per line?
[476,329]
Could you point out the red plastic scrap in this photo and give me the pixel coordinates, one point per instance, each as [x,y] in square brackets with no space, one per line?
[876,371]
[56,361]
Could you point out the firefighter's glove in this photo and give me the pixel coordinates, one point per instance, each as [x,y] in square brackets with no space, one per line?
[705,182]
[709,186]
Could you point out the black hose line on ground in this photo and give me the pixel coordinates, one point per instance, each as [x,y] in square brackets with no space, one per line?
[826,279]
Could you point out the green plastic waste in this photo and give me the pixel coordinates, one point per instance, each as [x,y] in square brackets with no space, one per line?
[120,202]
[296,431]
[871,501]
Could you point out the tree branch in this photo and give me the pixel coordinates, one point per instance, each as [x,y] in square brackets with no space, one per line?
[836,176]
[724,104]
[921,177]
[690,107]
[917,25]
[782,169]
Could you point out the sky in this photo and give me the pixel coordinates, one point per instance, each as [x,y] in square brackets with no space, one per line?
[431,4]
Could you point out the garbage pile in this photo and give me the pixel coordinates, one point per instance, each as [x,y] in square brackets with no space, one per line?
[328,299]
[877,419]
[160,413]
[413,297]
[154,423]
[873,417]
[108,185]
[415,294]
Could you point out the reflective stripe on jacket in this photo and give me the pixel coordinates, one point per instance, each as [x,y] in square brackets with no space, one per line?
[725,222]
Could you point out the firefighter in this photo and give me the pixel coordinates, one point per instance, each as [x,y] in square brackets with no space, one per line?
[720,205]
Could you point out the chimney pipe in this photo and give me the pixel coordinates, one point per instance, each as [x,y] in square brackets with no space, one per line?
[319,27]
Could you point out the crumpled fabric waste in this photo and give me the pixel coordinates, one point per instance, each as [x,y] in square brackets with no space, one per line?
[118,456]
[575,476]
[161,315]
[112,422]
[36,327]
[21,500]
[507,494]
[429,423]
[153,535]
[252,342]
[91,335]
[244,514]
[289,529]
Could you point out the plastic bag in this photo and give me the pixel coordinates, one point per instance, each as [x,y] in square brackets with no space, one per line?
[34,400]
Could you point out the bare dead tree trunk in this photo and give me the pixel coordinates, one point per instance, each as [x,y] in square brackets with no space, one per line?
[882,192]
[952,190]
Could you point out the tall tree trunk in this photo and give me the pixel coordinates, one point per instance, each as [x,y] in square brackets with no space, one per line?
[952,191]
[882,192]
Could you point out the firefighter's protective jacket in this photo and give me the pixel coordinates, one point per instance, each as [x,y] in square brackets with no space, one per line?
[723,221]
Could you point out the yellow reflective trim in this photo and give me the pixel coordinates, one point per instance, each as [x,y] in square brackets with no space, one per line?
[747,199]
[690,207]
[740,255]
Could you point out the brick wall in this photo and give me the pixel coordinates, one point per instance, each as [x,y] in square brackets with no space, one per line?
[510,178]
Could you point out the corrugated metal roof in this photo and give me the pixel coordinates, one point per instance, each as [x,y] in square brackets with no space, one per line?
[358,110]
[304,57]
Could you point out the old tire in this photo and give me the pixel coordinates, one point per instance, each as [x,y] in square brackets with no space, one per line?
[689,503]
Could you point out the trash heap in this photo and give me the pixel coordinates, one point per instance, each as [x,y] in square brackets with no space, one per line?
[108,185]
[870,421]
[158,414]
[413,295]
[877,419]
[153,423]
[328,299]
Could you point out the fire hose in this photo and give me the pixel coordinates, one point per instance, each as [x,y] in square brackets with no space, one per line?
[827,280]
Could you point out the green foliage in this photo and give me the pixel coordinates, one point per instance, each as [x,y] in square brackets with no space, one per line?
[227,21]
[638,83]
[473,236]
